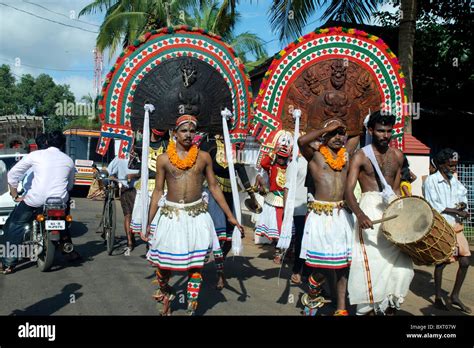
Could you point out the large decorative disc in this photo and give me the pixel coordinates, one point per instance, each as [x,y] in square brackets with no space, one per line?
[330,73]
[183,85]
[180,70]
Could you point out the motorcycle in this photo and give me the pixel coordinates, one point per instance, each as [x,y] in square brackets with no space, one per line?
[44,233]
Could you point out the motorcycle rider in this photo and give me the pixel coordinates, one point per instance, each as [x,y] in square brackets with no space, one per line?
[53,177]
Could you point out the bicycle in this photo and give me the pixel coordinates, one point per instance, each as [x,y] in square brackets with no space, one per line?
[108,220]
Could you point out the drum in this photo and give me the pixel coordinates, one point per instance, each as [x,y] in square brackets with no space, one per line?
[419,230]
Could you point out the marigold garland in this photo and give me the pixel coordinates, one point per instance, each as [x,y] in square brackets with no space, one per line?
[335,163]
[186,163]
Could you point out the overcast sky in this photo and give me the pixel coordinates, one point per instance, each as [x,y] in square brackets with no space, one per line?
[65,53]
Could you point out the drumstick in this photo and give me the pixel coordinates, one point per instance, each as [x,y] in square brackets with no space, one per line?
[385,219]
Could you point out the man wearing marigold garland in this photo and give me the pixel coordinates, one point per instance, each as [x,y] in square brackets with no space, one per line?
[327,238]
[184,231]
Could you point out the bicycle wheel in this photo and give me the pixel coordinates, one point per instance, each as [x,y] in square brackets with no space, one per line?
[110,225]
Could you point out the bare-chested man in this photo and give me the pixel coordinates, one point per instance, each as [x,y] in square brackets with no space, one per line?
[327,238]
[184,230]
[380,273]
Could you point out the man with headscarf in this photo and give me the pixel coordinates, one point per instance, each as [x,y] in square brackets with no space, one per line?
[184,232]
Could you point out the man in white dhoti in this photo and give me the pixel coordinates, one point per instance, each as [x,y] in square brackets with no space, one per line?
[380,274]
[327,236]
[184,232]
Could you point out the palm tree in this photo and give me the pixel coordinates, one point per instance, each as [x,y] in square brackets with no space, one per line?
[289,17]
[406,41]
[221,21]
[126,20]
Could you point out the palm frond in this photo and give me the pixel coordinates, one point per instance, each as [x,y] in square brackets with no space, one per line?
[289,17]
[226,17]
[354,11]
[247,42]
[97,6]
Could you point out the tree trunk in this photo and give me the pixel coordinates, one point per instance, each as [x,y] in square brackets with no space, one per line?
[406,40]
[168,14]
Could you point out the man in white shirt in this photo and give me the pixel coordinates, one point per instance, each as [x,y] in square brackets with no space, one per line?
[448,196]
[53,177]
[119,169]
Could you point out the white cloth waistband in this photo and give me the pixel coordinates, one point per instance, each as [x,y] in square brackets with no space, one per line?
[183,205]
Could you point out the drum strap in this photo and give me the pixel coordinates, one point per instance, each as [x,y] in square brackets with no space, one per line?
[387,192]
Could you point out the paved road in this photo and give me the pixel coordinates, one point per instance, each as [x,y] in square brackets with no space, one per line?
[121,284]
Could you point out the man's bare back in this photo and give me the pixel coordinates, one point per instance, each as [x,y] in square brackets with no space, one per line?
[329,184]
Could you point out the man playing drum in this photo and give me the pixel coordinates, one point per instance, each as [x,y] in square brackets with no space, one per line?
[380,273]
[327,237]
[448,196]
[184,231]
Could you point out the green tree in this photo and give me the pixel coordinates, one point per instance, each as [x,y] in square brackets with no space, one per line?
[23,95]
[406,43]
[47,94]
[288,18]
[221,20]
[33,96]
[8,105]
[126,20]
[442,57]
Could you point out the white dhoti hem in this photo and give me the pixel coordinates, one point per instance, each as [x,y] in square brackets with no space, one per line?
[267,225]
[136,222]
[380,274]
[327,239]
[180,241]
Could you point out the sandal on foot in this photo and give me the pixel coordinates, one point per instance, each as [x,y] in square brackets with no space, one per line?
[461,306]
[341,313]
[8,270]
[159,295]
[165,299]
[166,311]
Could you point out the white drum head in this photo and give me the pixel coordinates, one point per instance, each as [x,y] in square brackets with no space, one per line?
[414,219]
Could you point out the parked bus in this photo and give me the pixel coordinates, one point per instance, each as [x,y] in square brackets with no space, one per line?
[81,145]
